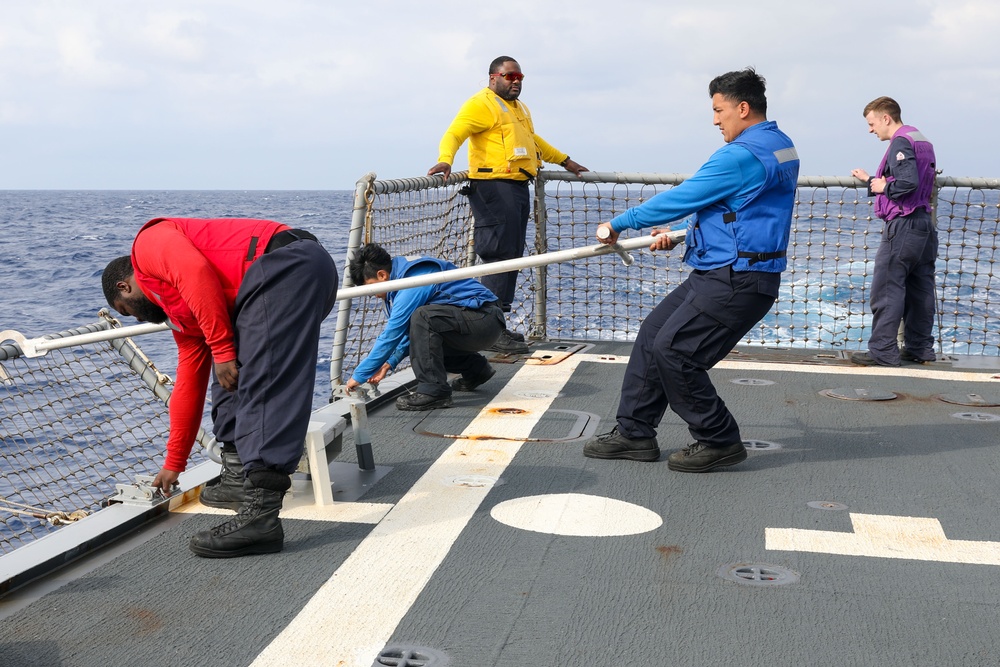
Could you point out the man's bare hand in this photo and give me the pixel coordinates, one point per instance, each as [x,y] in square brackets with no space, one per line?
[606,235]
[380,375]
[228,374]
[661,241]
[442,168]
[353,384]
[165,480]
[574,166]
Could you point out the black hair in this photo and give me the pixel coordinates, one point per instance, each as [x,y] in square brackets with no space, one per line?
[744,85]
[117,270]
[498,63]
[367,262]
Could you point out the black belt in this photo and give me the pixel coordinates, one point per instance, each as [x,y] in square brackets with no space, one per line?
[519,181]
[755,257]
[281,239]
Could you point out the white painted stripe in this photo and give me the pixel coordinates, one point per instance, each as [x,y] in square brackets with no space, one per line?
[353,615]
[885,371]
[304,508]
[824,369]
[340,512]
[878,536]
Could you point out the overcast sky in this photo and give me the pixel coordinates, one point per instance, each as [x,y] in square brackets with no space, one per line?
[310,94]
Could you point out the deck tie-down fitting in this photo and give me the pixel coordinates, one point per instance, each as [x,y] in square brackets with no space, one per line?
[141,492]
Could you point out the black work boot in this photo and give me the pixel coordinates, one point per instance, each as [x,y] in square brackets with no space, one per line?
[416,402]
[906,355]
[470,383]
[228,492]
[699,457]
[614,445]
[507,344]
[256,528]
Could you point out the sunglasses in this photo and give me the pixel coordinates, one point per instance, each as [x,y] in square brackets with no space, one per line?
[510,76]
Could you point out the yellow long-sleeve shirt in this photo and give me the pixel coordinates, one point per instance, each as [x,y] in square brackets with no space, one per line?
[502,139]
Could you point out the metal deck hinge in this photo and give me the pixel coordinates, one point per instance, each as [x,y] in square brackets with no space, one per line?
[141,492]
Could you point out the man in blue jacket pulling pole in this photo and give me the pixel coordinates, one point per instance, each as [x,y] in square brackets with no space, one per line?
[742,199]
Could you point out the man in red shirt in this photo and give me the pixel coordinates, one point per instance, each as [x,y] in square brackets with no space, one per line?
[245,299]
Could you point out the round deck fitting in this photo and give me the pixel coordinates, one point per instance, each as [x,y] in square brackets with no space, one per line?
[759,445]
[758,574]
[536,393]
[971,400]
[473,481]
[827,505]
[410,656]
[977,416]
[858,394]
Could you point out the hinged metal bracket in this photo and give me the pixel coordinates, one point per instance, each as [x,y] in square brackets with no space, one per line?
[141,492]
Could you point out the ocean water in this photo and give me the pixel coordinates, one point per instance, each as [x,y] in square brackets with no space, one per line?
[54,245]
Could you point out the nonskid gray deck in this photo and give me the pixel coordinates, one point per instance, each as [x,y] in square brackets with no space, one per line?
[477,551]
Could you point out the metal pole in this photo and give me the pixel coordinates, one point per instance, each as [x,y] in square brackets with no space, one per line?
[37,347]
[940,307]
[362,436]
[362,192]
[516,264]
[539,330]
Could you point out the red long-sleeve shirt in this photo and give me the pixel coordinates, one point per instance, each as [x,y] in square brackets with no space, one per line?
[207,291]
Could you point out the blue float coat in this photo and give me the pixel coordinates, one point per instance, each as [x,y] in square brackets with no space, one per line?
[730,176]
[393,343]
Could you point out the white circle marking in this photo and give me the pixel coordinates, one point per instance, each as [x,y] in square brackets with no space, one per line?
[576,514]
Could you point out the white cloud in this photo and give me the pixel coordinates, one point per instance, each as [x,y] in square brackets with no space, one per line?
[312,94]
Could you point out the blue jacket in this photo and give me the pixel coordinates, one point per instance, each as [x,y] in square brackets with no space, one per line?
[753,179]
[393,343]
[754,235]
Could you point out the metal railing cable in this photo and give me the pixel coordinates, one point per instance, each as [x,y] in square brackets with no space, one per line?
[73,423]
[84,408]
[824,298]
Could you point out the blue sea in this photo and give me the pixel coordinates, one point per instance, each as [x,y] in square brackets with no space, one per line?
[55,244]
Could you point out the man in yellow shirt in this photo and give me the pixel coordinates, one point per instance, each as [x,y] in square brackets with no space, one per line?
[504,156]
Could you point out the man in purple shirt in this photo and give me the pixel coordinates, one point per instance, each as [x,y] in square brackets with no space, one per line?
[902,287]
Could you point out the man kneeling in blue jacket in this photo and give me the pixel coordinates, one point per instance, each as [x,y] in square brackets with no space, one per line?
[441,326]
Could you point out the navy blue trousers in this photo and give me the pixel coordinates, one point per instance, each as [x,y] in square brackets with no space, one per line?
[903,289]
[447,339]
[283,299]
[689,332]
[501,210]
